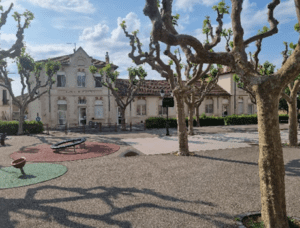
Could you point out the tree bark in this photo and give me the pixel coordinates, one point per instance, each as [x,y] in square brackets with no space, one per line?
[181,126]
[197,116]
[21,121]
[293,134]
[271,164]
[191,120]
[123,128]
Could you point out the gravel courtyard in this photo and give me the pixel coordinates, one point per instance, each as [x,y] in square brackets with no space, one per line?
[205,190]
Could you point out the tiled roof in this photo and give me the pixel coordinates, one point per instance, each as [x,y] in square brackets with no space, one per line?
[10,79]
[65,59]
[153,88]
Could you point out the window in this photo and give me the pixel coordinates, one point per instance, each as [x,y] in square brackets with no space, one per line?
[98,81]
[141,107]
[81,80]
[241,106]
[4,98]
[209,108]
[81,100]
[162,110]
[62,112]
[61,80]
[250,109]
[98,109]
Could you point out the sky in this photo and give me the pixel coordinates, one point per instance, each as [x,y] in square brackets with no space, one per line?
[94,25]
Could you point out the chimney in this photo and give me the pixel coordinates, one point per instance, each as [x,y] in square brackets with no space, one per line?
[106,58]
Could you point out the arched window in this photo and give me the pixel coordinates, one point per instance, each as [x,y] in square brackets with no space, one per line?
[209,108]
[241,103]
[141,107]
[98,109]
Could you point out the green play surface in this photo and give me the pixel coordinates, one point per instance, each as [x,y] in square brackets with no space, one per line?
[10,177]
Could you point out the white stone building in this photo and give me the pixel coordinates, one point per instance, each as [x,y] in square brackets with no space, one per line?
[5,103]
[76,98]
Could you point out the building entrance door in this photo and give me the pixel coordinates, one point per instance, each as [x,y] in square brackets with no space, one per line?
[82,116]
[225,110]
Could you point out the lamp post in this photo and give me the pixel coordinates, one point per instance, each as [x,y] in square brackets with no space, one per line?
[162,94]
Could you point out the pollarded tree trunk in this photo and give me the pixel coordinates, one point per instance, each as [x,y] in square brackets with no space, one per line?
[191,120]
[181,126]
[21,121]
[123,128]
[271,164]
[197,115]
[293,134]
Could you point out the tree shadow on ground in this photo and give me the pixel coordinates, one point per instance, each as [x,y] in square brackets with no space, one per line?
[43,140]
[53,213]
[292,168]
[54,139]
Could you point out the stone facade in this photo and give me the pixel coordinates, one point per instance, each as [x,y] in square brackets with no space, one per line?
[5,104]
[70,100]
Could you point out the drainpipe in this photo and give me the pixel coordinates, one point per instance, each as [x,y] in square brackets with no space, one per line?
[234,97]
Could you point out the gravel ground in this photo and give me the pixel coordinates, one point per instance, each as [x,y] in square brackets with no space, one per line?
[205,190]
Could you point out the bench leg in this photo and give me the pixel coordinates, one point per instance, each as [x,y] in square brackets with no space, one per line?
[2,142]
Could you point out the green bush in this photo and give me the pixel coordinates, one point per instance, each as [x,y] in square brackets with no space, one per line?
[33,127]
[11,127]
[160,122]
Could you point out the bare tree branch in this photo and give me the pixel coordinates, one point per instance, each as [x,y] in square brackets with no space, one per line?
[272,21]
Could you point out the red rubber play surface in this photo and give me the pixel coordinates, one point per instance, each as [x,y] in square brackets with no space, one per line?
[43,152]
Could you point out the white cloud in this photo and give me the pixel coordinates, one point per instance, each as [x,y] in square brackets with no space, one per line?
[132,23]
[17,7]
[8,37]
[45,51]
[80,6]
[94,33]
[187,5]
[78,22]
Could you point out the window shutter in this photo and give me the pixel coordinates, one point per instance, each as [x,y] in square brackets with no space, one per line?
[63,80]
[58,80]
